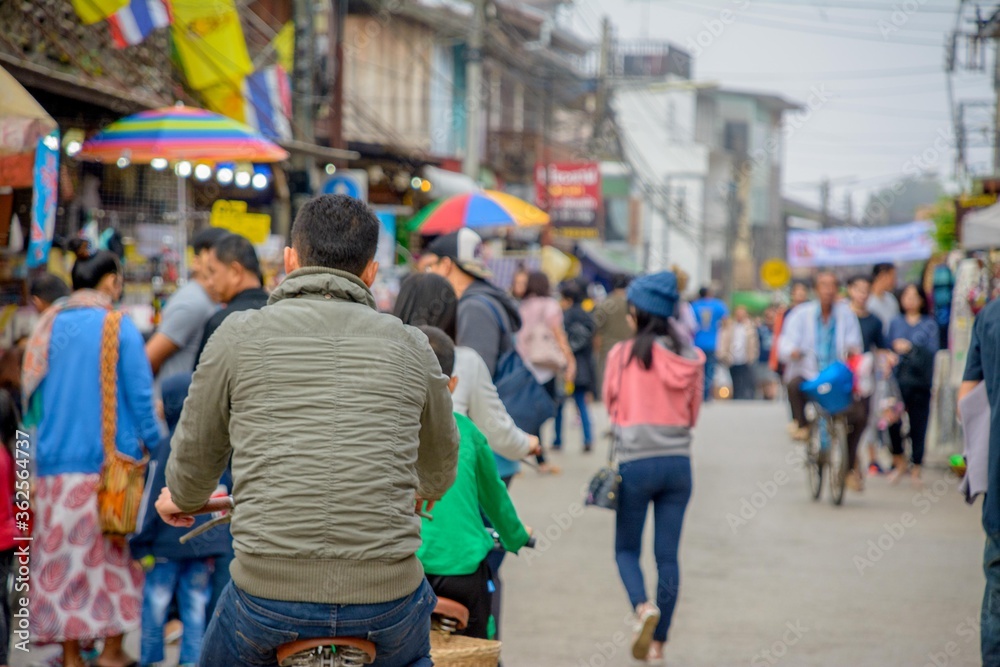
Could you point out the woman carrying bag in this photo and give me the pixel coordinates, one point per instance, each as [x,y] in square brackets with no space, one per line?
[653,391]
[89,389]
[914,339]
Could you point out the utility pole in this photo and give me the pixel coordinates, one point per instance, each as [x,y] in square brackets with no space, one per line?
[996,112]
[473,90]
[824,200]
[601,98]
[303,73]
[848,208]
[729,274]
[338,13]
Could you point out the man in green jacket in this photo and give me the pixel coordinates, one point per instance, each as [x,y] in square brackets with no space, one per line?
[455,543]
[338,420]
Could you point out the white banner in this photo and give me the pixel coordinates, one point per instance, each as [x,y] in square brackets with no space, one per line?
[847,246]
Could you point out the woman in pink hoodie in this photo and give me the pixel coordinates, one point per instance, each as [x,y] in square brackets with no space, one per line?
[653,388]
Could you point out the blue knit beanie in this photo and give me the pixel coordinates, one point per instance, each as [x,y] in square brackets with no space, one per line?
[655,294]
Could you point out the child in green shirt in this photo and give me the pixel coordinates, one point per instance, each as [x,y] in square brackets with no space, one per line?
[455,542]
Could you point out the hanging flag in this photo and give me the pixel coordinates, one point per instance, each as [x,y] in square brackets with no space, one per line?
[44,200]
[284,45]
[268,102]
[92,11]
[210,43]
[133,23]
[225,98]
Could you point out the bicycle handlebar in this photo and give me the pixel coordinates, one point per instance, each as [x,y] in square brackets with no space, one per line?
[223,504]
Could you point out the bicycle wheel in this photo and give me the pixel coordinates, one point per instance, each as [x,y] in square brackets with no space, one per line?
[837,469]
[814,460]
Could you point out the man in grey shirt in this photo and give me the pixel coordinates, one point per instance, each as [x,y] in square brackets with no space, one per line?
[174,346]
[882,303]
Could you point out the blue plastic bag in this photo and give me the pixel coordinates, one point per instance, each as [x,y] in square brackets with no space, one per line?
[832,389]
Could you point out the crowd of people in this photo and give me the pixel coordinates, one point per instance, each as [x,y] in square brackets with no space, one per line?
[237,388]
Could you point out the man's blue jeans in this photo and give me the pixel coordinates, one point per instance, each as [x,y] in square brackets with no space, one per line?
[990,620]
[664,481]
[709,373]
[189,578]
[246,630]
[580,398]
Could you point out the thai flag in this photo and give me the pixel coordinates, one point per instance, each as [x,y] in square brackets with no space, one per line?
[133,23]
[267,101]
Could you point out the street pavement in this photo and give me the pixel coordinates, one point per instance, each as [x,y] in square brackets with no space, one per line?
[768,576]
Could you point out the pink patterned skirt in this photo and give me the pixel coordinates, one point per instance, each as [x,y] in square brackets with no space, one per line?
[83,585]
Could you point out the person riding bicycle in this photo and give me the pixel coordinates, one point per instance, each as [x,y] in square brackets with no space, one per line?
[455,545]
[815,335]
[338,420]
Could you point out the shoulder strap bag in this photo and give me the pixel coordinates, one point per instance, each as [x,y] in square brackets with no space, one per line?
[119,491]
[603,489]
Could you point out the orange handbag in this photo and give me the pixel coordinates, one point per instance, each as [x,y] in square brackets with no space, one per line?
[119,491]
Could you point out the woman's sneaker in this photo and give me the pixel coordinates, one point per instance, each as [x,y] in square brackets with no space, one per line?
[648,617]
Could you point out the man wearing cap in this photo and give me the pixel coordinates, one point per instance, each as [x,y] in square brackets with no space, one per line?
[487,317]
[174,346]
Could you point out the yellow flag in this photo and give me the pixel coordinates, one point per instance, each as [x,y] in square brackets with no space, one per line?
[210,43]
[284,46]
[225,98]
[92,11]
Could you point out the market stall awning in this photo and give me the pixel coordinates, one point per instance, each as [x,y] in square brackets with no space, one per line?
[981,229]
[23,121]
[602,261]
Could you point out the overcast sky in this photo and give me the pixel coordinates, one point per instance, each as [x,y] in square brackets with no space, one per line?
[883,67]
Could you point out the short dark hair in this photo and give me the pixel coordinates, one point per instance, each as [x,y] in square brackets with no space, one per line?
[235,248]
[207,238]
[336,232]
[538,285]
[572,291]
[427,299]
[87,273]
[49,288]
[883,267]
[827,272]
[620,281]
[444,348]
[704,292]
[800,283]
[925,306]
[856,278]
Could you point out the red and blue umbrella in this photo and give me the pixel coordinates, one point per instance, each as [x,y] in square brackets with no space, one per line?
[477,210]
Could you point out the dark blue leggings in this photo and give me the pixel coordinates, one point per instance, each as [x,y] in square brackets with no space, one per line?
[664,481]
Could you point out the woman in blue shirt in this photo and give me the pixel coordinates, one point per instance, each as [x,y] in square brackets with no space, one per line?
[913,337]
[88,587]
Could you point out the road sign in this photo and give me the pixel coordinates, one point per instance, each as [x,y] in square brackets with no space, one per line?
[350,182]
[775,273]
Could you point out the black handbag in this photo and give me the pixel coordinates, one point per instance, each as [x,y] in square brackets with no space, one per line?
[603,489]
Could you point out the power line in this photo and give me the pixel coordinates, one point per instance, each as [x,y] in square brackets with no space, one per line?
[800,28]
[830,75]
[846,4]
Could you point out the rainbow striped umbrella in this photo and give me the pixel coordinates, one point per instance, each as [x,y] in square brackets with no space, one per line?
[179,133]
[489,208]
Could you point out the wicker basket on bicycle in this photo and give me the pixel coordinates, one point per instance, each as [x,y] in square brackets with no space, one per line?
[448,650]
